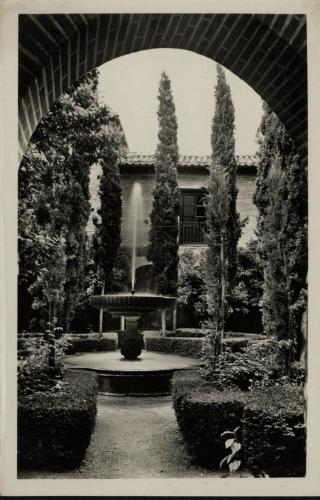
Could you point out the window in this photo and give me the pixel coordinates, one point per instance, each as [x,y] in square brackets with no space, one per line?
[192,217]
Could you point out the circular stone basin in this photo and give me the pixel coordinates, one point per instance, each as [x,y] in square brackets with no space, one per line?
[150,374]
[130,305]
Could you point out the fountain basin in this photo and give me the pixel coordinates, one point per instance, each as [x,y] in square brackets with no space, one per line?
[129,305]
[149,375]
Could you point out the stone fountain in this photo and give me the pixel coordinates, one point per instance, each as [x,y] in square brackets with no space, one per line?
[132,305]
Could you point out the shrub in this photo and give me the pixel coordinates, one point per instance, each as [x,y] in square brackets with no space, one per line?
[188,332]
[177,345]
[55,427]
[274,436]
[258,364]
[185,345]
[191,296]
[89,343]
[271,421]
[245,335]
[203,414]
[235,344]
[34,370]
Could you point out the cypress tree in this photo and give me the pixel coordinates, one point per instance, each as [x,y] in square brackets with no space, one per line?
[281,198]
[163,249]
[106,239]
[223,222]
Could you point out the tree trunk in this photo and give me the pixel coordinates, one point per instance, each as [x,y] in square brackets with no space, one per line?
[174,319]
[163,321]
[223,288]
[122,323]
[101,311]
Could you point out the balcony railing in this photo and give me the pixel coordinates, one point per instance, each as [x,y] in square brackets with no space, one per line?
[191,232]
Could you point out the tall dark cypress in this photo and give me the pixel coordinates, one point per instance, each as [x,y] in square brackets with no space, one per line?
[163,250]
[223,155]
[106,240]
[223,222]
[281,198]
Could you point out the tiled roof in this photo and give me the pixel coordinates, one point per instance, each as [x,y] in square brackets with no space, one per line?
[137,159]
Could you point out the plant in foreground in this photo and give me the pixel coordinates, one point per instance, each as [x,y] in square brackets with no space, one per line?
[233,444]
[259,364]
[42,369]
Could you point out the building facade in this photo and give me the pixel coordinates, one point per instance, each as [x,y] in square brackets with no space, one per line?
[193,174]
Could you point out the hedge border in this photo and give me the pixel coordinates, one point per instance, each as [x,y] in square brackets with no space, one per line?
[55,428]
[267,418]
[274,432]
[187,346]
[175,345]
[92,343]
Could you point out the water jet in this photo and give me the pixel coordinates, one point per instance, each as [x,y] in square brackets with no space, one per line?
[132,305]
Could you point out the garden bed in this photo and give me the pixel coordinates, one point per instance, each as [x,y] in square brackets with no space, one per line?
[55,427]
[271,422]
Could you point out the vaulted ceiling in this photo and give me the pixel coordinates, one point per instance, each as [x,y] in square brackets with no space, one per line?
[269,52]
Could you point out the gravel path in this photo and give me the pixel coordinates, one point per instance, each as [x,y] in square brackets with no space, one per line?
[133,438]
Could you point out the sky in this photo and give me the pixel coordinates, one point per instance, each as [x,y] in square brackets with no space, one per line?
[129,85]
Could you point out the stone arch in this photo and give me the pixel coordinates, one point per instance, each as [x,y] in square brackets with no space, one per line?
[267,51]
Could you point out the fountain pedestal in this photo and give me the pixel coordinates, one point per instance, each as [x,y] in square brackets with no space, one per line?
[132,344]
[132,307]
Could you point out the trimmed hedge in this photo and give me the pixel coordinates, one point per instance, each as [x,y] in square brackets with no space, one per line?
[174,345]
[202,332]
[92,343]
[203,414]
[271,420]
[55,428]
[274,438]
[235,344]
[249,336]
[188,332]
[186,346]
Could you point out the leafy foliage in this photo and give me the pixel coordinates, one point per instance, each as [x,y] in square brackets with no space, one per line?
[281,198]
[54,197]
[34,372]
[191,294]
[245,302]
[258,364]
[163,249]
[248,287]
[231,442]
